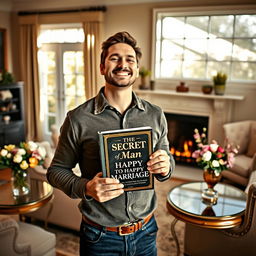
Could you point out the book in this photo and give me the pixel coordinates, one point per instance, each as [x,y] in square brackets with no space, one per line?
[124,156]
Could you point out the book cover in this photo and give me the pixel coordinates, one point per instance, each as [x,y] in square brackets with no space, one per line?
[124,156]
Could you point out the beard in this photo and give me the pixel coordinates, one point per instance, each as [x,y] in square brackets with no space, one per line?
[120,82]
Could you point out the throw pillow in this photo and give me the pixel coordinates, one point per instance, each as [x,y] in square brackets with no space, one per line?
[252,141]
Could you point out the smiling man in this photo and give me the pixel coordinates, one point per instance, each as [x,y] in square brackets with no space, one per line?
[114,222]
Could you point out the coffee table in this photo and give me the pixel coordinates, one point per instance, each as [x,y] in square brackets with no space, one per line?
[185,203]
[40,193]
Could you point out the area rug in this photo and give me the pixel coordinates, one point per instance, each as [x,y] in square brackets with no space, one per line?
[68,241]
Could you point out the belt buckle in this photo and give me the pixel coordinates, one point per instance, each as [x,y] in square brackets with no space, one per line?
[120,232]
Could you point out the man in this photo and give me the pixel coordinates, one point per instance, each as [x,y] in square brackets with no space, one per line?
[114,222]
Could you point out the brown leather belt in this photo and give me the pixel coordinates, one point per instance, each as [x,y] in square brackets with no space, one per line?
[125,229]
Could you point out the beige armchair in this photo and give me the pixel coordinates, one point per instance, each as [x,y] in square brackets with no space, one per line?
[236,241]
[23,239]
[243,134]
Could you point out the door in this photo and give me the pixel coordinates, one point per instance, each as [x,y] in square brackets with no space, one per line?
[61,68]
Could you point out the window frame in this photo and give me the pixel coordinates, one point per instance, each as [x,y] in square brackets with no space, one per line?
[183,11]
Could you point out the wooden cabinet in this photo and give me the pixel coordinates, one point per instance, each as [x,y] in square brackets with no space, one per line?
[12,130]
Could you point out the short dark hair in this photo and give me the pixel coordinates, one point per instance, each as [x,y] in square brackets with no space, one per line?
[120,37]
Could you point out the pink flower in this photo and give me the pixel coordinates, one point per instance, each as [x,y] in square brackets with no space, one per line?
[235,150]
[220,158]
[200,145]
[231,159]
[205,148]
[196,136]
[196,154]
[221,149]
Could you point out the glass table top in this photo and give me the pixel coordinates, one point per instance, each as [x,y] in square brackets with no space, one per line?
[187,197]
[39,191]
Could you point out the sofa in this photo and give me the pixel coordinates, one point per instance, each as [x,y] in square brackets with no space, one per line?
[241,133]
[62,211]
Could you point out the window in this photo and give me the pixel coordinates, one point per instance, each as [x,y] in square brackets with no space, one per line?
[196,46]
[61,69]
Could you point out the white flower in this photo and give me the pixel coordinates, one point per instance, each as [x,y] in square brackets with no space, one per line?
[216,173]
[215,163]
[17,158]
[4,152]
[207,156]
[214,147]
[9,155]
[21,151]
[32,145]
[42,152]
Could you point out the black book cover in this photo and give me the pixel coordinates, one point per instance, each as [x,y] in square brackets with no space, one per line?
[124,156]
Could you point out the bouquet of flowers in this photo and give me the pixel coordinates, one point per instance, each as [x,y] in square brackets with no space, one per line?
[213,156]
[21,158]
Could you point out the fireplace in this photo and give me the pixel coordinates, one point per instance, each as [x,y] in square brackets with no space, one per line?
[180,135]
[218,109]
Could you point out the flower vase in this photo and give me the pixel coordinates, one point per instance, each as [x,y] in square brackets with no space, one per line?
[211,177]
[20,183]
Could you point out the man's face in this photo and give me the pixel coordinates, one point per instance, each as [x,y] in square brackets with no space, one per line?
[120,68]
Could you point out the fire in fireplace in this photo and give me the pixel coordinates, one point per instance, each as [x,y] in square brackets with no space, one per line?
[180,135]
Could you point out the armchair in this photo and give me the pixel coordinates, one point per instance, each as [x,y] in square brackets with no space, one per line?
[236,241]
[241,133]
[23,239]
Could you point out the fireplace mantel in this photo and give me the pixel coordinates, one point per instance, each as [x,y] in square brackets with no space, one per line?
[217,108]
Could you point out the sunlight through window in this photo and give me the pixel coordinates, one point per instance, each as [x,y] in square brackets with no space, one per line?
[61,69]
[196,47]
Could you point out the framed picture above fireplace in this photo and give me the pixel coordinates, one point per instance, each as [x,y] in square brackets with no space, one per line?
[3,50]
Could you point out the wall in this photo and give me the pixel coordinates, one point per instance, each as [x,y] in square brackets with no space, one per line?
[6,24]
[137,19]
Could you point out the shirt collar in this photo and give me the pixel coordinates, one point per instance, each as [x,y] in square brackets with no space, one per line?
[101,102]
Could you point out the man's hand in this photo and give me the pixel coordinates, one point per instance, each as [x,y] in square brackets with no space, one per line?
[103,189]
[159,162]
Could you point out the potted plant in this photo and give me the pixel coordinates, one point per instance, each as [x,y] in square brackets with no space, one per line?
[143,74]
[6,78]
[219,81]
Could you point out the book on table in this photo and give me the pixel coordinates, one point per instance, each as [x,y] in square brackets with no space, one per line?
[124,156]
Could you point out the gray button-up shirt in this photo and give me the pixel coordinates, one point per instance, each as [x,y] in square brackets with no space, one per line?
[79,143]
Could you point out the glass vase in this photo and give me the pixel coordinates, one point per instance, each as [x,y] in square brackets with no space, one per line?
[20,183]
[210,195]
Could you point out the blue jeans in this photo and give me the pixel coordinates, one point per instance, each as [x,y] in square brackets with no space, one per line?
[100,242]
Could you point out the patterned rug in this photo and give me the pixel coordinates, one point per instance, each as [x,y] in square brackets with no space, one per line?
[68,241]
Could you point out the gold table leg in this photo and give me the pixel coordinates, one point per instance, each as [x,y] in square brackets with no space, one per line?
[174,235]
